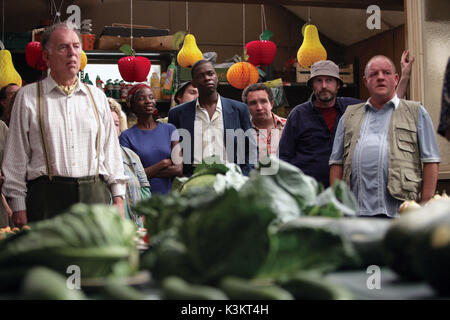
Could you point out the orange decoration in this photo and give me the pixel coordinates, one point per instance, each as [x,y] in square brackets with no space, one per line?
[242,74]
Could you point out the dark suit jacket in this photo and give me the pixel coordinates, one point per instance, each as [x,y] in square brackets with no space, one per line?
[235,116]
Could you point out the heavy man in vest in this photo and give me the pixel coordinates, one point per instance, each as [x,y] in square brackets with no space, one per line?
[382,144]
[62,147]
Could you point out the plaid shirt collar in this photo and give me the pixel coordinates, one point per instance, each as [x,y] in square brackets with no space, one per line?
[277,120]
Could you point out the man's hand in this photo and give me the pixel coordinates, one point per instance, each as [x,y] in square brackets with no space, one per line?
[19,218]
[118,203]
[406,63]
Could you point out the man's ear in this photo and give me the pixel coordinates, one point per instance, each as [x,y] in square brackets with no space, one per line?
[45,57]
[365,81]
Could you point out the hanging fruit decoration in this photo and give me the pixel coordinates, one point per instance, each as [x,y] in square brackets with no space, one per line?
[83,60]
[8,73]
[242,74]
[132,68]
[261,52]
[311,49]
[189,53]
[33,56]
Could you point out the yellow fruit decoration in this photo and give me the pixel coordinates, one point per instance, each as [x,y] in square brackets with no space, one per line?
[8,73]
[189,53]
[83,60]
[311,49]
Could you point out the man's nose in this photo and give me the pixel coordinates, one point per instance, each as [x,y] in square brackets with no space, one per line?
[72,50]
[323,85]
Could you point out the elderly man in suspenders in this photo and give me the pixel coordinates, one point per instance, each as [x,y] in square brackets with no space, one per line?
[62,147]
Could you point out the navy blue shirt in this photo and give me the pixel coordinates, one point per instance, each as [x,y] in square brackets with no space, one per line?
[307,142]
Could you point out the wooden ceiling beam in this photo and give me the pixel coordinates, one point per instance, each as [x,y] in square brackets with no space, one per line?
[395,5]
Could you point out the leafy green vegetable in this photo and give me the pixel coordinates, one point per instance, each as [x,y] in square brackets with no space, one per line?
[163,212]
[406,241]
[167,257]
[93,237]
[41,283]
[270,195]
[302,187]
[199,181]
[306,244]
[205,174]
[336,201]
[286,192]
[231,179]
[210,165]
[241,227]
[229,238]
[324,244]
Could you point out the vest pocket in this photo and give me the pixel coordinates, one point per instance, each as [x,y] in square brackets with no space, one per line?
[346,148]
[406,138]
[347,142]
[410,180]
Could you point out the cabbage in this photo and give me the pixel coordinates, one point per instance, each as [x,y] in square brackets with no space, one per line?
[93,237]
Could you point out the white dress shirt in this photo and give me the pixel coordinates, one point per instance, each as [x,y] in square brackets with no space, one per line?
[208,133]
[71,132]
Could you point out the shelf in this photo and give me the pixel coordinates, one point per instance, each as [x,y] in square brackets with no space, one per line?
[99,55]
[157,101]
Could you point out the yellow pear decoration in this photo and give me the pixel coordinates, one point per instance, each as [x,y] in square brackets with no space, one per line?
[8,73]
[311,49]
[189,53]
[83,60]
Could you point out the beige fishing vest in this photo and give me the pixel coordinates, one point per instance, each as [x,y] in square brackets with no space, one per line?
[405,168]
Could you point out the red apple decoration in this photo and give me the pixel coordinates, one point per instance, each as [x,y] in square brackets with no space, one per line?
[33,56]
[134,69]
[261,52]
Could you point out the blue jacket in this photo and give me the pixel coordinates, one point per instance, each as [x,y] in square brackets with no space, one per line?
[307,142]
[235,116]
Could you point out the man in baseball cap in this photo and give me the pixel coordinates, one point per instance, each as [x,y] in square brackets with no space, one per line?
[309,132]
[185,93]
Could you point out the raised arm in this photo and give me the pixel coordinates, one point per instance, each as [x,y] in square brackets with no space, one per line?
[406,63]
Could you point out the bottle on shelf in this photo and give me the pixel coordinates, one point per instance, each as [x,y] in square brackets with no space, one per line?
[116,89]
[167,88]
[109,88]
[155,85]
[86,79]
[164,94]
[99,83]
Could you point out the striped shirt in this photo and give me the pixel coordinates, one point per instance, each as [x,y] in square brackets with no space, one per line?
[71,132]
